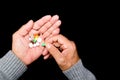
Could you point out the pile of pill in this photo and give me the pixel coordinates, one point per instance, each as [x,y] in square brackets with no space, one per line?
[35,41]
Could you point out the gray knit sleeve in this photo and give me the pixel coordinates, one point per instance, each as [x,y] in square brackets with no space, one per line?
[11,67]
[79,72]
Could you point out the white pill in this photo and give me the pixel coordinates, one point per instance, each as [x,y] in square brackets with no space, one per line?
[37,43]
[39,39]
[30,38]
[30,45]
[34,45]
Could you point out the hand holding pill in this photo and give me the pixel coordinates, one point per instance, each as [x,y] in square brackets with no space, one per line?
[28,41]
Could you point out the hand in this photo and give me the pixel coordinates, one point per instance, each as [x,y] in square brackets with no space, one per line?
[21,37]
[63,50]
[49,29]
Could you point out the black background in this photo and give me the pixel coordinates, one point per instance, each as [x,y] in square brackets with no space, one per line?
[84,22]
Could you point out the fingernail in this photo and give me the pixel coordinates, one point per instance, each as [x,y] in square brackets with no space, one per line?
[57,17]
[48,16]
[48,45]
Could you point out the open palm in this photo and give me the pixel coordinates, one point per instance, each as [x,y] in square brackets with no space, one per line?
[47,25]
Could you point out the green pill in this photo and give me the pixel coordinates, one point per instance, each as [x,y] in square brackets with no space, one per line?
[43,44]
[34,41]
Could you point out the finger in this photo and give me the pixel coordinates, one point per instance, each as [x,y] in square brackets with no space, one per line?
[45,27]
[48,25]
[45,52]
[54,52]
[51,29]
[55,32]
[54,19]
[26,28]
[46,56]
[56,44]
[58,38]
[39,23]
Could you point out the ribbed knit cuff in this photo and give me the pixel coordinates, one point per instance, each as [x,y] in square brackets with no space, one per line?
[79,72]
[12,66]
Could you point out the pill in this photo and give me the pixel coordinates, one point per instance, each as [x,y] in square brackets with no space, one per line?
[39,39]
[43,44]
[30,45]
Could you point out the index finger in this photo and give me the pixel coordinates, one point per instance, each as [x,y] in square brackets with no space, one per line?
[25,29]
[39,23]
[58,38]
[55,53]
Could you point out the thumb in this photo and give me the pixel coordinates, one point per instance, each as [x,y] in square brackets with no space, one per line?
[26,28]
[54,52]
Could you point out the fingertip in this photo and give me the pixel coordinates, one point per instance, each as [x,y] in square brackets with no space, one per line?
[31,20]
[26,28]
[56,16]
[48,45]
[60,21]
[29,23]
[46,57]
[48,16]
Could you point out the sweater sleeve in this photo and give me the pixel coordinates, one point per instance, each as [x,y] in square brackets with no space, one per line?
[79,72]
[11,67]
